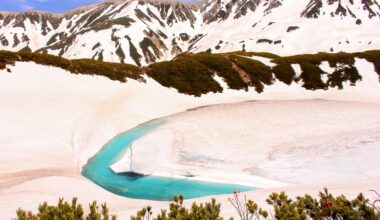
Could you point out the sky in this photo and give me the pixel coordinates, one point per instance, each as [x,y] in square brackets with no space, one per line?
[54,6]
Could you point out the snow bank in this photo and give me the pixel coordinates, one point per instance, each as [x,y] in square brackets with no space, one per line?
[53,121]
[294,142]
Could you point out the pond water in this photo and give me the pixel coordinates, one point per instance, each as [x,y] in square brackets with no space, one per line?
[136,186]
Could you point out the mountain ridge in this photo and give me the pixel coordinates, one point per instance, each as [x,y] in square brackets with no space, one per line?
[142,32]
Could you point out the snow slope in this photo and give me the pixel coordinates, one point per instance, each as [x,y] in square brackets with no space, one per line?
[53,121]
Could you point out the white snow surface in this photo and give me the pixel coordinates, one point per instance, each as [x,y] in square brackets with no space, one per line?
[328,32]
[295,142]
[52,122]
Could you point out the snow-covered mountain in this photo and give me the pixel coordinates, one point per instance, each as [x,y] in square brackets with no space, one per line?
[142,32]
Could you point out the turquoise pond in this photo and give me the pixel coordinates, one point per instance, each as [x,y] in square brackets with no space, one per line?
[145,187]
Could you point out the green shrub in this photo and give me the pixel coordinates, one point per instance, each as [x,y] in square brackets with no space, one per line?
[223,67]
[342,74]
[334,58]
[207,211]
[284,72]
[258,54]
[186,75]
[67,211]
[7,58]
[45,59]
[345,71]
[311,76]
[372,56]
[326,207]
[258,72]
[317,59]
[113,71]
[281,207]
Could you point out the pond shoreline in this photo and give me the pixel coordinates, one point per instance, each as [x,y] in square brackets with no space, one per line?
[155,186]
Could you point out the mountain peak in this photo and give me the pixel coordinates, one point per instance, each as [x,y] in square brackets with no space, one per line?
[146,31]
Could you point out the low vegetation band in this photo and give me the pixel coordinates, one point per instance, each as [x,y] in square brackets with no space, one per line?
[194,74]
